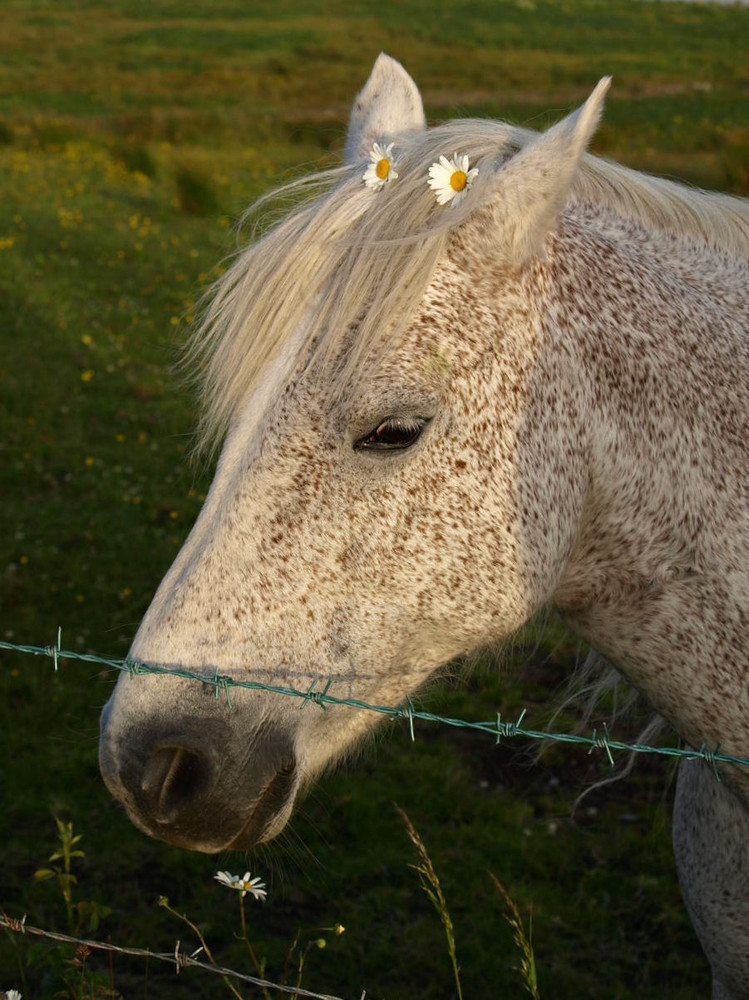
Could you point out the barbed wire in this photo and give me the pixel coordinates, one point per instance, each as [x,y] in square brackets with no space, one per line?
[498,728]
[178,958]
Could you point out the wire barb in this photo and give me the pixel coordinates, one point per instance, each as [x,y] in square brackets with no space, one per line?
[709,756]
[180,960]
[318,697]
[55,650]
[222,683]
[510,728]
[134,668]
[14,923]
[407,712]
[601,743]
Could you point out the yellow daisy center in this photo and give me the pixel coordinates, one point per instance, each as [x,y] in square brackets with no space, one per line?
[383,168]
[458,180]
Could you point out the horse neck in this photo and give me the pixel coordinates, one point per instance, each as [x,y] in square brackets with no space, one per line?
[663,538]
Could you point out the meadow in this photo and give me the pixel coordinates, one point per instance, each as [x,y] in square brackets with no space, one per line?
[132,137]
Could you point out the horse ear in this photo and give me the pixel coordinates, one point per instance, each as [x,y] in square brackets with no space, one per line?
[388,105]
[532,187]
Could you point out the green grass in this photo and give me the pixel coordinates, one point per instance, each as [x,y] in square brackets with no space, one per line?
[132,136]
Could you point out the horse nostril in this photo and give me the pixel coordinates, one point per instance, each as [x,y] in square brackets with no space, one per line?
[173,779]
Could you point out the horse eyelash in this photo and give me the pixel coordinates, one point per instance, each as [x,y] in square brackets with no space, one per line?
[403,424]
[408,426]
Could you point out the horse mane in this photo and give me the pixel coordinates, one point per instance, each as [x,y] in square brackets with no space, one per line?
[349,258]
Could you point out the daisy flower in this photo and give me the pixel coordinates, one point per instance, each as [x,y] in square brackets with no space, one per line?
[380,170]
[451,179]
[243,884]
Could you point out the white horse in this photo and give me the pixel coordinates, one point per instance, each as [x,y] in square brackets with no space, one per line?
[480,372]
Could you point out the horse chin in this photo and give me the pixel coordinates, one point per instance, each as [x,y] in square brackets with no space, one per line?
[255,833]
[270,815]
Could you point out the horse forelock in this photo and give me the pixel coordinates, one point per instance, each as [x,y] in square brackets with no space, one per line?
[350,265]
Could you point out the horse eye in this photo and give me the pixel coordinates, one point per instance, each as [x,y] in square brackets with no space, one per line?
[393,434]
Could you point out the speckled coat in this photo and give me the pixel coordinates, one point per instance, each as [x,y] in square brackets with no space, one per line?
[560,419]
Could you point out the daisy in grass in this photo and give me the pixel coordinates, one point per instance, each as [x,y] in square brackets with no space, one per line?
[243,884]
[380,170]
[451,179]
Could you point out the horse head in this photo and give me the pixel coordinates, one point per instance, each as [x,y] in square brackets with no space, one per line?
[397,485]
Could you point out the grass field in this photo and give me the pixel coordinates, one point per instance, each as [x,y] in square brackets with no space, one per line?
[132,136]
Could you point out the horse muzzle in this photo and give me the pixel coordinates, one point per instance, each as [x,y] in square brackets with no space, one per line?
[198,780]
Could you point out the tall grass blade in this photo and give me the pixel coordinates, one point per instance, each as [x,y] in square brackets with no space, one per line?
[527,967]
[431,886]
